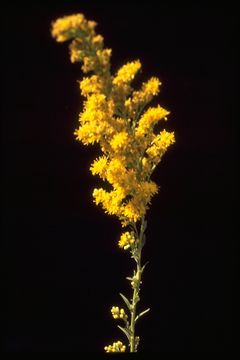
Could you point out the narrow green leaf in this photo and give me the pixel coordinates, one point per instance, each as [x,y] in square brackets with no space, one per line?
[143,267]
[126,332]
[141,314]
[126,301]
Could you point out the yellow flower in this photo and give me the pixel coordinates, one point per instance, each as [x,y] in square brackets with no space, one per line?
[89,63]
[126,240]
[95,120]
[113,117]
[98,41]
[143,96]
[149,119]
[76,50]
[115,347]
[159,145]
[104,58]
[100,195]
[116,170]
[123,315]
[134,210]
[120,140]
[90,85]
[115,312]
[137,206]
[89,133]
[127,73]
[65,28]
[151,87]
[72,26]
[110,201]
[118,313]
[147,189]
[99,166]
[96,102]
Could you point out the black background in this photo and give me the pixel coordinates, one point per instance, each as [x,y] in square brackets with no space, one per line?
[62,264]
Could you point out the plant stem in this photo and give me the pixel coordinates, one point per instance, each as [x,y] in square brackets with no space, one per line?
[136,287]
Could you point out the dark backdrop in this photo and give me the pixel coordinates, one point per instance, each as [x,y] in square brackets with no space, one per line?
[62,264]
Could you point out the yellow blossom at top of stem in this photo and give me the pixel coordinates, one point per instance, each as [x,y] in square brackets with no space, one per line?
[127,73]
[115,116]
[66,28]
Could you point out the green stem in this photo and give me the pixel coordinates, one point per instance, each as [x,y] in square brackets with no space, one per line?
[136,287]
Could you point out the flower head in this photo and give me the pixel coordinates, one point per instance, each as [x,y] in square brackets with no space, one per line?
[160,145]
[71,26]
[149,119]
[118,313]
[127,73]
[126,240]
[115,347]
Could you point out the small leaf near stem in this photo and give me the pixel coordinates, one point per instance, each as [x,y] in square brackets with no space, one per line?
[127,302]
[141,314]
[143,267]
[126,331]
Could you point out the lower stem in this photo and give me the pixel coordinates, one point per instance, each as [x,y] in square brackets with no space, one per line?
[135,300]
[136,289]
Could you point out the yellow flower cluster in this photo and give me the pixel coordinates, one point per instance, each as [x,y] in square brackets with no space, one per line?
[69,27]
[160,145]
[118,313]
[126,240]
[113,117]
[99,167]
[95,120]
[127,73]
[115,347]
[141,97]
[115,202]
[91,85]
[149,119]
[86,46]
[119,140]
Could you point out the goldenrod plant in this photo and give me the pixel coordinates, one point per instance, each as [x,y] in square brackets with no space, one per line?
[118,118]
